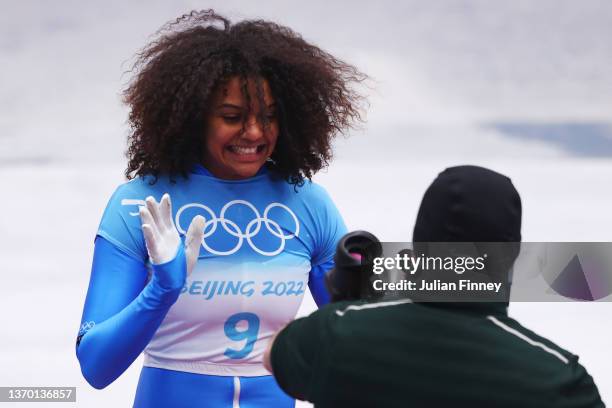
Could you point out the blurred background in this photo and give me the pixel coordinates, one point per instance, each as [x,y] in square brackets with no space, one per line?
[521,87]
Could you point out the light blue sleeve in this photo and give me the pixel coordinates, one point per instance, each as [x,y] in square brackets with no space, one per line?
[331,228]
[122,311]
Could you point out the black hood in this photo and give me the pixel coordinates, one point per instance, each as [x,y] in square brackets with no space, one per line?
[473,204]
[469,204]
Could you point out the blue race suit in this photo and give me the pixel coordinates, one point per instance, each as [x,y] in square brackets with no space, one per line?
[264,240]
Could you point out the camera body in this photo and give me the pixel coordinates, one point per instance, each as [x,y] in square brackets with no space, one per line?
[350,279]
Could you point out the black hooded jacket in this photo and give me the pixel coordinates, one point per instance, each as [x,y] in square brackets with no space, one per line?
[404,354]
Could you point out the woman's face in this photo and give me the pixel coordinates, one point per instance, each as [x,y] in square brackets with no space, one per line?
[237,143]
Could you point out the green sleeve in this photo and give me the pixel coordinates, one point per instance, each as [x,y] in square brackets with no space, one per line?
[582,389]
[299,354]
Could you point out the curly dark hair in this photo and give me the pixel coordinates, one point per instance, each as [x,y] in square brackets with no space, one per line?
[177,73]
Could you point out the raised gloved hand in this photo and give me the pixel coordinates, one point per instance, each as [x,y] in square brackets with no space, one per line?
[172,261]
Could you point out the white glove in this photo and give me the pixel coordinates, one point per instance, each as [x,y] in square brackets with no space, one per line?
[162,238]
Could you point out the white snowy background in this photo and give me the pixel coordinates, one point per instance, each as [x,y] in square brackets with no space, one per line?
[522,87]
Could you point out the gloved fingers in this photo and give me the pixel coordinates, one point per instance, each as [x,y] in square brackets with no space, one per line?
[195,232]
[193,240]
[150,242]
[153,208]
[165,206]
[147,218]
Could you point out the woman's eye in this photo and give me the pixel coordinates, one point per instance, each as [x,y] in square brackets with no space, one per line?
[232,118]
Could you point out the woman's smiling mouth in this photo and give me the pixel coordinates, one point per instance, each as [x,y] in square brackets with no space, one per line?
[247,152]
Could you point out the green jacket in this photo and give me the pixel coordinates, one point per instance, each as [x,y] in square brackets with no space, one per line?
[401,354]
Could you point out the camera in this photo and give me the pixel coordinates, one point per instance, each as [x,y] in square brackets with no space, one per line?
[350,279]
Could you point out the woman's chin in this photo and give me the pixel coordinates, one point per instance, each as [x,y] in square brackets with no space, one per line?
[244,170]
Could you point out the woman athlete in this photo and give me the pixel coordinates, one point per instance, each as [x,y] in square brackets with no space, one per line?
[206,252]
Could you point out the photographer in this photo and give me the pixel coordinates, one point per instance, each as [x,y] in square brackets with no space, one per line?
[359,353]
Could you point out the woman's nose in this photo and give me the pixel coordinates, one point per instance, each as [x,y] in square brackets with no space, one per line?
[253,129]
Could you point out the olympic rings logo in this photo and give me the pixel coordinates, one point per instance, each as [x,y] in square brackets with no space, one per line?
[212,223]
[86,326]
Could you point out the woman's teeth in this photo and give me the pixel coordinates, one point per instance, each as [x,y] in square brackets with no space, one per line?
[245,150]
